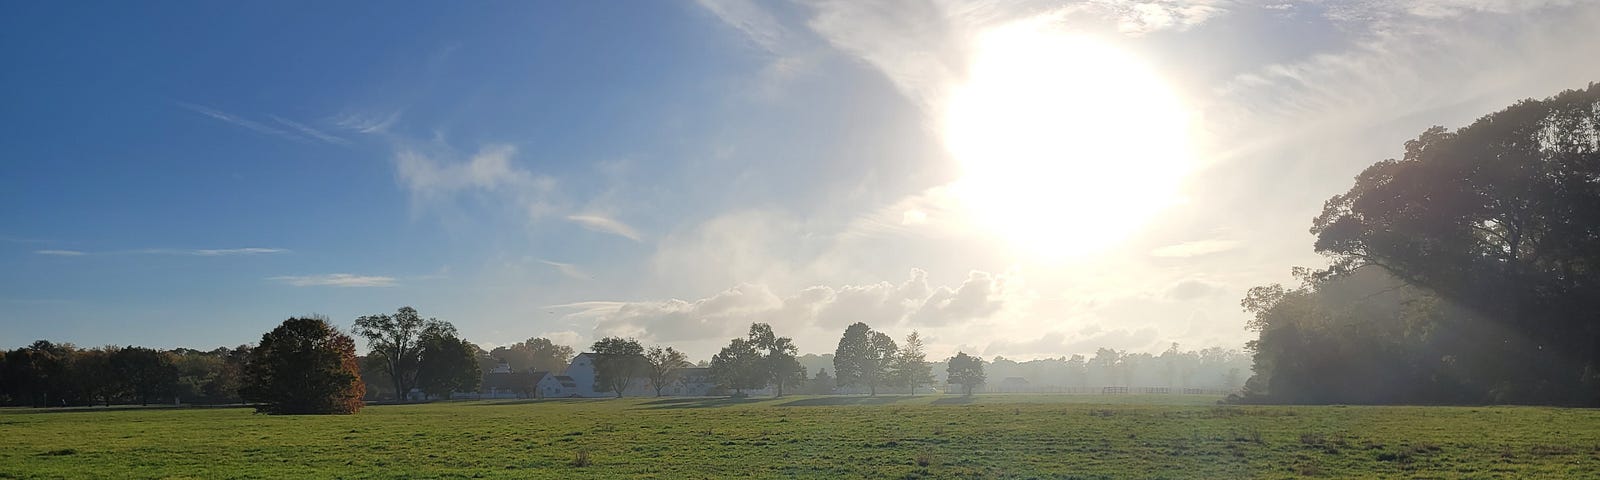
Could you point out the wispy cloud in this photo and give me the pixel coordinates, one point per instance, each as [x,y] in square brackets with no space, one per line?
[605,225]
[568,269]
[198,252]
[252,125]
[59,253]
[308,131]
[212,252]
[367,123]
[335,280]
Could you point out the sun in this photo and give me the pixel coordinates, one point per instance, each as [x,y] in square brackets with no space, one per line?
[1067,144]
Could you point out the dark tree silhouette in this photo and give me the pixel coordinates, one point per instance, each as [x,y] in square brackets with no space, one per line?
[535,354]
[617,362]
[739,366]
[446,363]
[144,372]
[305,366]
[1497,222]
[394,344]
[966,371]
[664,366]
[863,357]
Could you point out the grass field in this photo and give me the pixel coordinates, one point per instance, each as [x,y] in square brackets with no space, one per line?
[998,436]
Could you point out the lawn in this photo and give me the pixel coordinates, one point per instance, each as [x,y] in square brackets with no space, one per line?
[988,436]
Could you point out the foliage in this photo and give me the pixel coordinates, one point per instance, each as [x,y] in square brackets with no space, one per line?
[617,361]
[779,365]
[984,436]
[910,368]
[664,366]
[144,373]
[738,366]
[535,354]
[446,363]
[394,342]
[862,357]
[1494,230]
[966,371]
[305,366]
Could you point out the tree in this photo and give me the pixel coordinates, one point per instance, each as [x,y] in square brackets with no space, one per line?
[446,363]
[393,341]
[91,369]
[145,372]
[779,365]
[966,371]
[664,366]
[535,354]
[305,366]
[822,384]
[738,366]
[862,358]
[617,362]
[910,367]
[1502,217]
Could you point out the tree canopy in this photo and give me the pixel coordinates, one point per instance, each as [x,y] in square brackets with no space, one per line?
[1497,222]
[862,358]
[304,366]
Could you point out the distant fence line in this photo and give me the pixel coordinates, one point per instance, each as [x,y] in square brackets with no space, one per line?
[1105,390]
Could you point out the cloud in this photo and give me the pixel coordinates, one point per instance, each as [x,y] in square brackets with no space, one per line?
[570,270]
[602,224]
[1195,249]
[436,177]
[252,125]
[817,308]
[335,280]
[714,317]
[204,252]
[759,25]
[234,251]
[59,253]
[1192,289]
[308,131]
[978,297]
[370,124]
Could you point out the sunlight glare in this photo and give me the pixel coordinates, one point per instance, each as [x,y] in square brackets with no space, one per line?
[1067,144]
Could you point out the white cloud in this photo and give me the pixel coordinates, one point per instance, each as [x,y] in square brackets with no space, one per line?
[759,25]
[252,125]
[1195,248]
[202,252]
[435,178]
[1192,289]
[335,280]
[59,253]
[604,224]
[371,124]
[570,270]
[308,131]
[235,251]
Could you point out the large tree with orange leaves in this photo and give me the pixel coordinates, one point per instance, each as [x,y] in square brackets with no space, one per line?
[305,366]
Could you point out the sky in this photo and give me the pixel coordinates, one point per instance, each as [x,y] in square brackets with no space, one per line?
[1020,179]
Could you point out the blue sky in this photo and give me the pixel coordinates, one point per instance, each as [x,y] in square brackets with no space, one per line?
[190,174]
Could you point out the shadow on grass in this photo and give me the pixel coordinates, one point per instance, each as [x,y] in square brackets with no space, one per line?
[701,402]
[844,400]
[953,401]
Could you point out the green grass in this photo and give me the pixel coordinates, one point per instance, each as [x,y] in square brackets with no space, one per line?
[994,436]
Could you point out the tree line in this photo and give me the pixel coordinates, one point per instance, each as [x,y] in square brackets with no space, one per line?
[308,365]
[1466,271]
